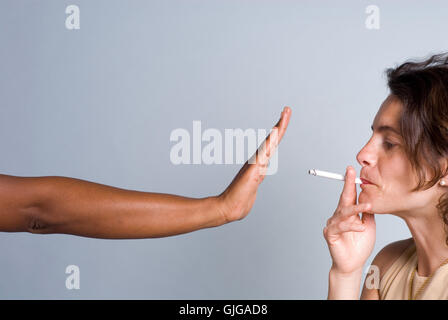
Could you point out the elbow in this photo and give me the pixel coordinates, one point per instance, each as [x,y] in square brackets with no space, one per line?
[25,205]
[39,217]
[36,221]
[46,214]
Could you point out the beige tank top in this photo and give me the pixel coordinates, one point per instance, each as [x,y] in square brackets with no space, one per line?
[394,284]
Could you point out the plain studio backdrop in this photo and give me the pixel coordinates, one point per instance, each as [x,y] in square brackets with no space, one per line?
[99,103]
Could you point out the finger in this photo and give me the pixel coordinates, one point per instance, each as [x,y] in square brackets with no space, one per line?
[267,149]
[344,226]
[348,195]
[354,209]
[269,145]
[283,123]
[262,171]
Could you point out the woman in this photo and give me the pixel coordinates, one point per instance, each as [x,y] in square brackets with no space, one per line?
[404,172]
[66,205]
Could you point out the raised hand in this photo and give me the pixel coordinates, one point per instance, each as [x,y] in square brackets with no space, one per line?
[238,198]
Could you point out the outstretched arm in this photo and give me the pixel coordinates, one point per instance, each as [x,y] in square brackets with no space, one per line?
[73,206]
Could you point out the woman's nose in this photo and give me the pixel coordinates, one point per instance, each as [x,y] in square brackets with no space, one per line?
[366,156]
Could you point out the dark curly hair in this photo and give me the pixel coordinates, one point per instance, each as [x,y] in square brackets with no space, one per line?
[422,88]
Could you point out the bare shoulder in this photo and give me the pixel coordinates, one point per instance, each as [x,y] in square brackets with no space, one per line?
[390,253]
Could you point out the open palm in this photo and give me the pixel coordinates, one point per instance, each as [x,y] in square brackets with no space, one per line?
[238,198]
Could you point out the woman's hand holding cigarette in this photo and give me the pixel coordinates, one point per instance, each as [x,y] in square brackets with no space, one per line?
[350,239]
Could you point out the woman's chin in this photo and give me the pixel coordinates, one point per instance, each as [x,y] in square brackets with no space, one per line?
[377,205]
[364,197]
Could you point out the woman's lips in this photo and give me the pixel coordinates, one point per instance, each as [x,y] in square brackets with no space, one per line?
[365,181]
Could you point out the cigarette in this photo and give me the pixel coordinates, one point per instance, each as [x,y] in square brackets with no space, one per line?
[330,175]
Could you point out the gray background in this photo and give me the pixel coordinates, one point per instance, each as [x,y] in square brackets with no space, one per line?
[100,103]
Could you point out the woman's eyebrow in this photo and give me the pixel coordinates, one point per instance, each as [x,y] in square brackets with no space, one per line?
[386,128]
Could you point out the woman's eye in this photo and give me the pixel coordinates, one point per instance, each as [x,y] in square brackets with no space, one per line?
[388,145]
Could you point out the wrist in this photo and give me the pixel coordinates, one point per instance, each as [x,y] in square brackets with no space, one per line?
[226,211]
[215,205]
[345,273]
[344,285]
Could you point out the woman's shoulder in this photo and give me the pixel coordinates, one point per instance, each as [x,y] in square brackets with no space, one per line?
[390,253]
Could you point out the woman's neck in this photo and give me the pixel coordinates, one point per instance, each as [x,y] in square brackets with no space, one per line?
[428,232]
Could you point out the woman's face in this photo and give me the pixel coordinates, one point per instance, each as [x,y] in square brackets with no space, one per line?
[385,164]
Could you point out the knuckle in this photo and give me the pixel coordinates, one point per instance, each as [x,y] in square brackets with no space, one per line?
[345,211]
[338,210]
[341,225]
[345,197]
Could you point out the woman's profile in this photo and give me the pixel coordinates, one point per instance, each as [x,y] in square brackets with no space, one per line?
[405,173]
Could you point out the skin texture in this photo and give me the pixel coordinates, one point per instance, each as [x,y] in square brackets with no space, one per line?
[351,239]
[54,204]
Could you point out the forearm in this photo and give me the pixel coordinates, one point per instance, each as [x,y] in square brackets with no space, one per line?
[344,286]
[89,209]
